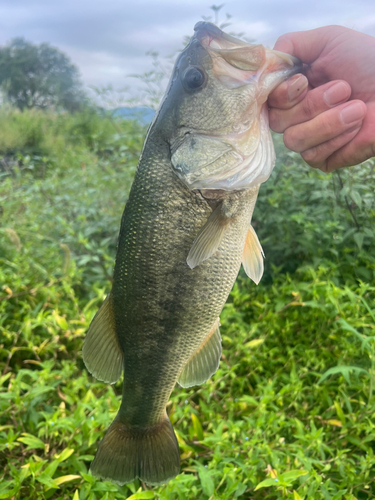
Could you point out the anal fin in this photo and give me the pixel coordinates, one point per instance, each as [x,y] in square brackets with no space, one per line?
[102,353]
[252,258]
[204,362]
[209,238]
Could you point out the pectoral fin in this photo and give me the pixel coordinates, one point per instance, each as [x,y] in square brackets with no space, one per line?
[204,362]
[252,258]
[101,350]
[209,238]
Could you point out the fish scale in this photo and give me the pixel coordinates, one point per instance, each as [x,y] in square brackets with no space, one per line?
[185,230]
[182,304]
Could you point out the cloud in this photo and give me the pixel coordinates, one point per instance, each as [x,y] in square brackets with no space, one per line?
[109,40]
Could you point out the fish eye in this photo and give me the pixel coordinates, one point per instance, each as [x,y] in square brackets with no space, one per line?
[193,78]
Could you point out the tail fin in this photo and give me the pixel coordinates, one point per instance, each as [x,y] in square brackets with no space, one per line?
[126,453]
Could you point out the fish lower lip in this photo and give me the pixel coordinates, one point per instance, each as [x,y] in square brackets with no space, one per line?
[279,66]
[293,61]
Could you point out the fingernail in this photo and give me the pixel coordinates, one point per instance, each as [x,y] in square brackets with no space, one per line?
[352,113]
[296,85]
[336,94]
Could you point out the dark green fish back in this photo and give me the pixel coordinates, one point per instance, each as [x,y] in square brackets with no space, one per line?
[163,309]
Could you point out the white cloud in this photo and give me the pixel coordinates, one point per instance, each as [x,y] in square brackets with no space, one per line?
[108,40]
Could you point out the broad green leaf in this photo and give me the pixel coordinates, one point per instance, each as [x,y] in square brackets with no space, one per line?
[89,478]
[65,479]
[290,476]
[198,430]
[51,468]
[356,197]
[339,495]
[334,422]
[7,395]
[8,494]
[61,321]
[31,441]
[343,370]
[142,495]
[4,486]
[65,454]
[4,427]
[339,411]
[38,391]
[24,473]
[266,483]
[358,238]
[4,378]
[296,496]
[371,311]
[241,488]
[46,480]
[249,400]
[345,325]
[207,482]
[254,343]
[105,486]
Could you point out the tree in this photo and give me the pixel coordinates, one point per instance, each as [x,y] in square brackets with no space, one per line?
[38,76]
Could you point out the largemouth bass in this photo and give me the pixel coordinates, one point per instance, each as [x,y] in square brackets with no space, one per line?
[185,230]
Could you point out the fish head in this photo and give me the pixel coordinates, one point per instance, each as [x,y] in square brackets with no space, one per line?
[214,114]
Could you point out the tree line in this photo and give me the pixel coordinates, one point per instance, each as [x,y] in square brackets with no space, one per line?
[39,76]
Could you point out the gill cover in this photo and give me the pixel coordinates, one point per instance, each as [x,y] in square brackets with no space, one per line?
[204,162]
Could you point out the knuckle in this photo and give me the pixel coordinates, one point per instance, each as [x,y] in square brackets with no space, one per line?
[275,121]
[311,156]
[283,40]
[336,29]
[310,106]
[293,141]
[329,127]
[279,98]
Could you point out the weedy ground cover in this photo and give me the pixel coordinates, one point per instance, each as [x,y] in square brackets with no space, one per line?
[289,414]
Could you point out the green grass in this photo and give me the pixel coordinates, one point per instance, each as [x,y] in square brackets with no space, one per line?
[289,414]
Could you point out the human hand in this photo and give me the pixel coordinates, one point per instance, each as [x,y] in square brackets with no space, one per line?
[328,117]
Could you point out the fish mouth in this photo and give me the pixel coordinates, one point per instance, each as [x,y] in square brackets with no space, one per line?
[237,63]
[211,36]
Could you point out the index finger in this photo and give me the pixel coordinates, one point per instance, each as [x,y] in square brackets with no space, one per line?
[307,45]
[289,93]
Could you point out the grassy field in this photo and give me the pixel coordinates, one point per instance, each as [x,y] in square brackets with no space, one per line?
[289,414]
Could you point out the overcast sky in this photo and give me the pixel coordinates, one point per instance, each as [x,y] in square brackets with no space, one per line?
[108,39]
